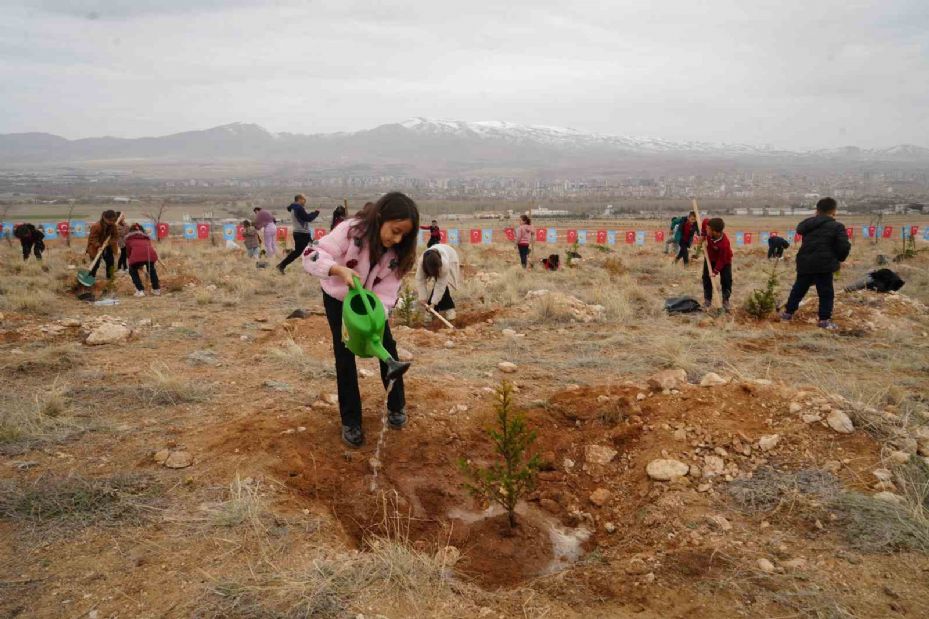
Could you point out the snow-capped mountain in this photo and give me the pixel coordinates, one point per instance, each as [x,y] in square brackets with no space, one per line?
[428,144]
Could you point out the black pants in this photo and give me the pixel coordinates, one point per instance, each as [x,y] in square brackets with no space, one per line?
[107,259]
[684,253]
[347,374]
[123,262]
[301,240]
[433,240]
[725,281]
[446,302]
[824,289]
[30,246]
[775,252]
[523,254]
[152,273]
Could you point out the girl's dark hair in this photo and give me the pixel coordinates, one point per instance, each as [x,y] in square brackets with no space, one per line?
[432,263]
[393,206]
[108,215]
[136,227]
[246,223]
[526,219]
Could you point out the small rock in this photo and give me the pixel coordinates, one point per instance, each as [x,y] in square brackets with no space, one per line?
[572,387]
[178,460]
[609,527]
[704,487]
[365,373]
[404,355]
[506,367]
[603,399]
[449,344]
[330,398]
[668,379]
[765,566]
[899,457]
[768,442]
[162,455]
[598,454]
[640,396]
[713,465]
[448,556]
[795,407]
[794,564]
[108,333]
[274,385]
[600,496]
[840,422]
[882,486]
[265,327]
[298,313]
[719,522]
[636,567]
[832,466]
[202,357]
[568,464]
[883,474]
[509,333]
[679,435]
[711,379]
[810,417]
[550,506]
[665,469]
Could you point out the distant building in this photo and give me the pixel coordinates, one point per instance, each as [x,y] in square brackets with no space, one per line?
[741,211]
[541,211]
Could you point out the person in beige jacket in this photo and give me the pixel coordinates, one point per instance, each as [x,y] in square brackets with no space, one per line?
[439,267]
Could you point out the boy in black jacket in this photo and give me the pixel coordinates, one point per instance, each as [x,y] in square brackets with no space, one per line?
[31,239]
[825,246]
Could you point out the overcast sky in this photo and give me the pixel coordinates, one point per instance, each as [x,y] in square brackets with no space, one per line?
[790,73]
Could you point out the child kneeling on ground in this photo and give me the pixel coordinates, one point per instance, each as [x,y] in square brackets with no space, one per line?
[719,252]
[377,245]
[140,253]
[439,264]
[824,248]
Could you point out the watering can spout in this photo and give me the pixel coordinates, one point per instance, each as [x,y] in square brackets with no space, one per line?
[395,369]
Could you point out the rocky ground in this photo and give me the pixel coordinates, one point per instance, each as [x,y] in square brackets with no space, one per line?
[179,456]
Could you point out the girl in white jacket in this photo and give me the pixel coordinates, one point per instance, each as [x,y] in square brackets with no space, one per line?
[439,266]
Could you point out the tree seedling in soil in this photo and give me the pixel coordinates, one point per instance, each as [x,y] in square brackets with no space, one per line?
[506,482]
[406,310]
[764,301]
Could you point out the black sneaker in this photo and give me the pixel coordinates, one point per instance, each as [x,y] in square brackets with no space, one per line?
[353,436]
[280,269]
[396,419]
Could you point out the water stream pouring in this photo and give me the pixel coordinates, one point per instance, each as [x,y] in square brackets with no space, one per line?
[364,318]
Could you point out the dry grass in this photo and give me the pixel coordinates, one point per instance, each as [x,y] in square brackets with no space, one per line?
[290,356]
[51,358]
[77,501]
[43,417]
[164,388]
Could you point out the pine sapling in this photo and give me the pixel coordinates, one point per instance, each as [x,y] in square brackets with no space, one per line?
[406,307]
[505,482]
[763,302]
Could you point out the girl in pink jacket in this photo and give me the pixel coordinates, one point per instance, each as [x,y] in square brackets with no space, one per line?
[378,245]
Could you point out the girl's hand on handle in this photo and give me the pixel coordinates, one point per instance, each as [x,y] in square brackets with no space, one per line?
[346,274]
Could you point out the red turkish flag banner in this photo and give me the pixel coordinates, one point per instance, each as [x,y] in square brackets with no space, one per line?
[540,235]
[850,231]
[659,236]
[203,231]
[914,230]
[510,234]
[888,231]
[630,237]
[748,238]
[798,238]
[475,236]
[572,236]
[318,233]
[282,233]
[63,229]
[602,237]
[240,233]
[162,230]
[872,231]
[443,236]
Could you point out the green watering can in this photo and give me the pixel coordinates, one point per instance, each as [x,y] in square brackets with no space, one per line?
[364,318]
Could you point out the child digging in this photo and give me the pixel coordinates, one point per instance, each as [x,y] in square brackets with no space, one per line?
[377,245]
[719,252]
[141,253]
[824,248]
[104,232]
[440,265]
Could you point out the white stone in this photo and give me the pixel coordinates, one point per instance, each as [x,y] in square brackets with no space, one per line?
[664,469]
[719,522]
[795,407]
[794,564]
[599,454]
[668,379]
[810,417]
[765,566]
[108,333]
[713,465]
[768,442]
[712,379]
[178,460]
[506,367]
[330,398]
[840,422]
[509,333]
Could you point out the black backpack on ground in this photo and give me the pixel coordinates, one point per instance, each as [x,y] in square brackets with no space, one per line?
[681,305]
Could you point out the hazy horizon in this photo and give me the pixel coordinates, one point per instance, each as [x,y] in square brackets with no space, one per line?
[785,74]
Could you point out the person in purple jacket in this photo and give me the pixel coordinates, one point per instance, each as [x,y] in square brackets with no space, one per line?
[267,225]
[377,245]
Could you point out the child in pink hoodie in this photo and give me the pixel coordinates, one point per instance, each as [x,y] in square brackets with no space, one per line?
[378,245]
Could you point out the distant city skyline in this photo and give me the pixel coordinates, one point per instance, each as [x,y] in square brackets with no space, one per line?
[793,74]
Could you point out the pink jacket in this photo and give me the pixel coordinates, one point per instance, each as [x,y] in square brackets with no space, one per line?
[524,234]
[342,247]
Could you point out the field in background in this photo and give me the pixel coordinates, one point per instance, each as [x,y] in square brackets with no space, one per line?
[195,469]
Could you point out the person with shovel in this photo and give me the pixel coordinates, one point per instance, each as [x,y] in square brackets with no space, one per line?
[141,253]
[439,264]
[719,252]
[377,246]
[104,235]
